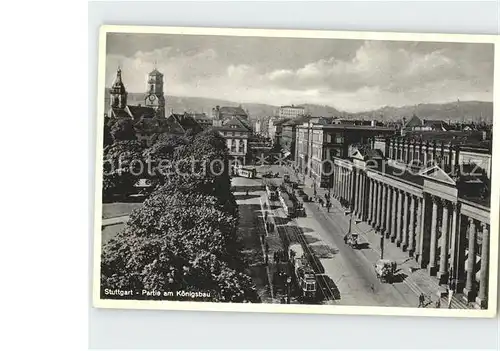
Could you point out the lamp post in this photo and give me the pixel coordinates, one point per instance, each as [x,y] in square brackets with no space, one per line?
[381,243]
[288,283]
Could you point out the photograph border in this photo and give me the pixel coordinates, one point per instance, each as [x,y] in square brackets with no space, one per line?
[295,309]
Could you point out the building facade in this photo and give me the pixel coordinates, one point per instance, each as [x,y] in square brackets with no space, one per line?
[427,216]
[236,133]
[291,111]
[318,143]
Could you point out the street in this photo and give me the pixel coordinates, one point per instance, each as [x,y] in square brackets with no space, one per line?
[345,276]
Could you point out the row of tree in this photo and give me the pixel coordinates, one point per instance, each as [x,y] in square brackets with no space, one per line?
[184,237]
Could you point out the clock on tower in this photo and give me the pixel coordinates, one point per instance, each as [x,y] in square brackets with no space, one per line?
[154,95]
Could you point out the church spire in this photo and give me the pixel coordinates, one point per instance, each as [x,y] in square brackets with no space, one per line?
[118,91]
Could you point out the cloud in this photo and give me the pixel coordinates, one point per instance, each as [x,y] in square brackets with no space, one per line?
[375,74]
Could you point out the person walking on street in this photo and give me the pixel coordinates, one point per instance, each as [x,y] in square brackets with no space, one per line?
[421,300]
[438,303]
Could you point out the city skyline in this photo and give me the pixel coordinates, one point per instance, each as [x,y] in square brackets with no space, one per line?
[350,75]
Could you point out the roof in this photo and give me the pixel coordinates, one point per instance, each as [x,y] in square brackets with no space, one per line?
[413,122]
[137,112]
[155,72]
[230,111]
[118,113]
[280,121]
[371,153]
[292,106]
[184,122]
[197,115]
[354,127]
[437,124]
[236,124]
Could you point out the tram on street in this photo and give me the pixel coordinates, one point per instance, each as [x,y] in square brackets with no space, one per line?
[245,172]
[272,192]
[304,274]
[287,204]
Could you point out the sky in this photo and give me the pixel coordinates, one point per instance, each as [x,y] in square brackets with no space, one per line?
[350,75]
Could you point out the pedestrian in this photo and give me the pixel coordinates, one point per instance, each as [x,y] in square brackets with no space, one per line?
[421,300]
[345,238]
[438,303]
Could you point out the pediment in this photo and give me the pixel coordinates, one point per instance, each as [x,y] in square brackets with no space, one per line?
[438,174]
[357,155]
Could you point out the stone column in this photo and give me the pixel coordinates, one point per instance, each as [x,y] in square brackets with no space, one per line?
[422,251]
[365,197]
[454,247]
[369,200]
[375,203]
[382,196]
[482,298]
[418,223]
[443,260]
[341,182]
[351,187]
[372,201]
[362,199]
[406,205]
[356,192]
[433,248]
[394,228]
[344,184]
[471,261]
[399,215]
[411,227]
[387,213]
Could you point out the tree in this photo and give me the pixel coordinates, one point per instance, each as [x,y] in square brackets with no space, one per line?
[123,165]
[107,137]
[123,129]
[178,241]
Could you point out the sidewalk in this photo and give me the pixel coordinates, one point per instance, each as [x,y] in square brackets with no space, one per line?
[114,220]
[416,279]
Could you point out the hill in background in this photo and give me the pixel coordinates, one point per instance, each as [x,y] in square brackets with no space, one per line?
[465,110]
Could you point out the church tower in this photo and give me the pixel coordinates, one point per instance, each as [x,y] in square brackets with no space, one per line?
[155,97]
[118,93]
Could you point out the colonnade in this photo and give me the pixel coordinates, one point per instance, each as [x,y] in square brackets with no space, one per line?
[452,244]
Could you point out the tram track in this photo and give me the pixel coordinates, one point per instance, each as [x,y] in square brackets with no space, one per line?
[298,236]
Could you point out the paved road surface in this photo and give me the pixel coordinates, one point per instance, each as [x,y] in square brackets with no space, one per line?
[351,271]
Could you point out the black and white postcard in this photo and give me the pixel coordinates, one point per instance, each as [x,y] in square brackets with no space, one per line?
[297,171]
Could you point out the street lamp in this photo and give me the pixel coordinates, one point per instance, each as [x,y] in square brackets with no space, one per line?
[382,239]
[288,281]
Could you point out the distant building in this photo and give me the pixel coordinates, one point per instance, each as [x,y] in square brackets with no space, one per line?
[225,112]
[257,127]
[288,135]
[236,132]
[202,119]
[291,111]
[417,124]
[275,125]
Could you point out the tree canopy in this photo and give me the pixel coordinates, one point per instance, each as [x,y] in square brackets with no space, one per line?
[184,237]
[123,129]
